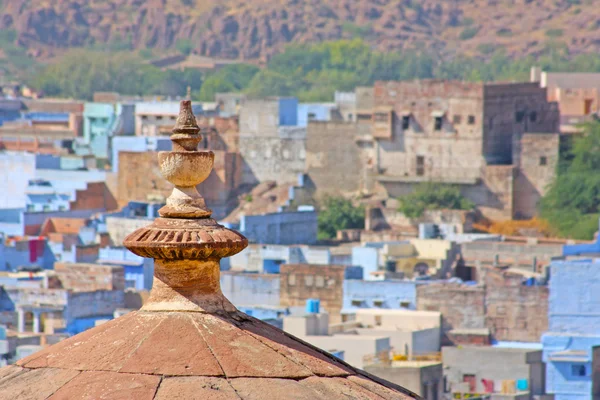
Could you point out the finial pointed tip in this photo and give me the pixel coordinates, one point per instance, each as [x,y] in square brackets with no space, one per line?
[186,121]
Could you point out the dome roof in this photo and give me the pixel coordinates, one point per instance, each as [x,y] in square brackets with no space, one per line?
[188,341]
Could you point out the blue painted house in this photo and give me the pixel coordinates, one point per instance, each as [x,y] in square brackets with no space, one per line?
[573,328]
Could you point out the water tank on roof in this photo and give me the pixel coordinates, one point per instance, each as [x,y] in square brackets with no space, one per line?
[313,306]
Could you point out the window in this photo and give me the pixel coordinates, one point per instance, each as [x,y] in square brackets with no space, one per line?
[457,119]
[173,118]
[420,165]
[378,303]
[291,280]
[319,281]
[471,120]
[438,124]
[309,280]
[350,117]
[378,320]
[406,122]
[30,207]
[312,116]
[357,303]
[404,304]
[159,117]
[381,117]
[578,370]
[491,122]
[363,117]
[144,117]
[543,160]
[519,116]
[533,116]
[62,208]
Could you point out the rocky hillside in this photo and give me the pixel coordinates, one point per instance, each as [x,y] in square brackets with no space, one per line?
[256,29]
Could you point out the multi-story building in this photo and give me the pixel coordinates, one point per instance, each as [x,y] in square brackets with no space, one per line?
[272,144]
[498,142]
[573,329]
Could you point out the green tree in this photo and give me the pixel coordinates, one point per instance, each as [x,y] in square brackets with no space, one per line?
[572,203]
[337,213]
[231,78]
[80,73]
[432,196]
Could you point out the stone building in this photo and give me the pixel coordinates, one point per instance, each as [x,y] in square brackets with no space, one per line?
[502,307]
[482,137]
[272,144]
[188,340]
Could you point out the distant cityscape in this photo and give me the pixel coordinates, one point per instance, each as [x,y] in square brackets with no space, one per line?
[433,297]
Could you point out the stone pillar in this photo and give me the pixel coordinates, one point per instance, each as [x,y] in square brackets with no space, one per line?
[49,323]
[36,322]
[21,320]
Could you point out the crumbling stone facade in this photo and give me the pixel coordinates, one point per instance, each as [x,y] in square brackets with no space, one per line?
[272,146]
[514,312]
[509,309]
[481,137]
[300,282]
[462,307]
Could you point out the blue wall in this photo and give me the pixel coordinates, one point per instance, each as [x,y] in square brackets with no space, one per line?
[83,324]
[392,293]
[288,111]
[320,112]
[281,228]
[573,328]
[367,258]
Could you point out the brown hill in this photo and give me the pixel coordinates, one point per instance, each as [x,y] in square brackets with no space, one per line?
[256,29]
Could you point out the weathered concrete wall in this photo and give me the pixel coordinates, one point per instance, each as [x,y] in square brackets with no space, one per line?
[90,304]
[281,228]
[336,156]
[280,158]
[511,110]
[462,307]
[514,312]
[90,277]
[250,289]
[301,282]
[537,159]
[451,153]
[517,253]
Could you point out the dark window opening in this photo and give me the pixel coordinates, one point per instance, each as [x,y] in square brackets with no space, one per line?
[159,117]
[533,116]
[578,370]
[438,123]
[543,160]
[457,119]
[471,120]
[420,165]
[312,116]
[406,122]
[519,116]
[363,117]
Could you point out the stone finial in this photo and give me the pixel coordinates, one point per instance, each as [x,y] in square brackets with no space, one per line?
[185,242]
[185,167]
